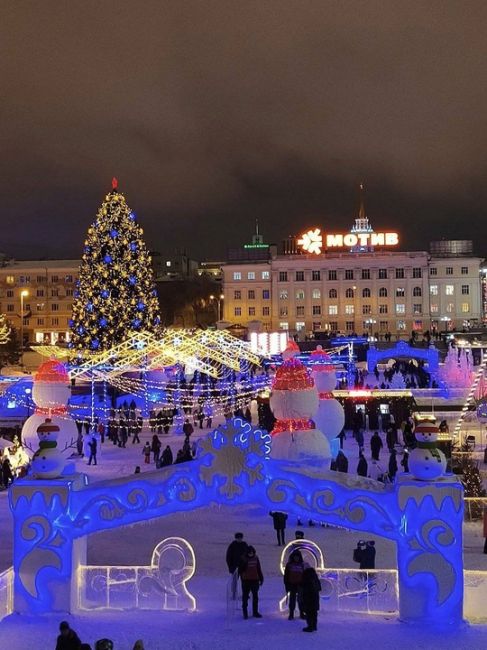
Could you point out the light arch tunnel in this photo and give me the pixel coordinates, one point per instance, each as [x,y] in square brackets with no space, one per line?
[52,519]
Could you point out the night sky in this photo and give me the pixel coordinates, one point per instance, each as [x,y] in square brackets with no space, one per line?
[212,114]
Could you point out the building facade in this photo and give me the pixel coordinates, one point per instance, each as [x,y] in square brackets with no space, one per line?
[37,298]
[360,289]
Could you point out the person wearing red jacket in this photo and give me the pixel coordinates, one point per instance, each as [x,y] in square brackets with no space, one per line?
[251,576]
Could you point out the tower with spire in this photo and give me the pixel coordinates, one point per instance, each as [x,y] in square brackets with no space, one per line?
[362,224]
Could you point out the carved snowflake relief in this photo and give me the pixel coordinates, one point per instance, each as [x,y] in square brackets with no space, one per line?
[232,457]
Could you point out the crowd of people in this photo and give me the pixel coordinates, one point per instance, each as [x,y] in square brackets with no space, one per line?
[375,468]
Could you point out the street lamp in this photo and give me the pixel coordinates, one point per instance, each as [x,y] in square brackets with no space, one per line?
[23,294]
[218,303]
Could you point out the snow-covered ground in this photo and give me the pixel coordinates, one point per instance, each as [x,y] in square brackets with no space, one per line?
[210,530]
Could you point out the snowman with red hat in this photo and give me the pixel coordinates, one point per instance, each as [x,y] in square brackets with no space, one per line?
[426,462]
[47,462]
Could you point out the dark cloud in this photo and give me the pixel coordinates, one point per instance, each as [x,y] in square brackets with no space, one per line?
[214,113]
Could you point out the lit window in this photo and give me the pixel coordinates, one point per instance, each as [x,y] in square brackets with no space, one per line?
[401,325]
[316,326]
[465,307]
[316,294]
[300,325]
[237,275]
[266,275]
[284,325]
[251,275]
[168,263]
[333,310]
[300,295]
[283,294]
[10,279]
[434,308]
[434,289]
[349,309]
[449,289]
[400,308]
[400,292]
[450,307]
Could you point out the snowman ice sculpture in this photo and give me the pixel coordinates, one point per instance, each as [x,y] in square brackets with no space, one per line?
[330,416]
[47,462]
[426,462]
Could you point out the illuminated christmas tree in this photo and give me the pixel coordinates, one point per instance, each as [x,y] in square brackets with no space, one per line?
[4,330]
[115,293]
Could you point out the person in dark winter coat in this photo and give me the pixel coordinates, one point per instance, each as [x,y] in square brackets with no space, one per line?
[364,554]
[251,576]
[392,465]
[167,457]
[341,462]
[279,519]
[311,588]
[293,582]
[362,467]
[93,449]
[405,461]
[67,639]
[235,552]
[375,445]
[156,448]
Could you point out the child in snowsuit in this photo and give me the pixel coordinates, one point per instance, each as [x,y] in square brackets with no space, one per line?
[146,452]
[311,598]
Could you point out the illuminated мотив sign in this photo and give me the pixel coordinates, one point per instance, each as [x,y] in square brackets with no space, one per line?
[314,240]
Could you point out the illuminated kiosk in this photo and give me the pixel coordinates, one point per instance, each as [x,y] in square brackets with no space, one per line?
[53,517]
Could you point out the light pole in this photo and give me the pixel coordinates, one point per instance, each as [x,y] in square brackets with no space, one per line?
[218,303]
[23,294]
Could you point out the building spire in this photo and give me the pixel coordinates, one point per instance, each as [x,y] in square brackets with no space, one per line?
[361,210]
[257,227]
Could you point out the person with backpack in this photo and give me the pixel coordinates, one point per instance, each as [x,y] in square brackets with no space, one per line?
[250,573]
[293,582]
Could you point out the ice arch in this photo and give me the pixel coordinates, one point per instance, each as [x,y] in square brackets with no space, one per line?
[403,350]
[53,518]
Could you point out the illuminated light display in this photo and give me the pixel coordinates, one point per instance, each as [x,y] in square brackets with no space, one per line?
[160,586]
[401,350]
[314,240]
[424,519]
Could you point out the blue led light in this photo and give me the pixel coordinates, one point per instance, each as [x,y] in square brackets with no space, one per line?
[107,259]
[95,344]
[80,329]
[133,246]
[136,322]
[89,306]
[132,216]
[113,233]
[132,280]
[140,305]
[105,293]
[103,322]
